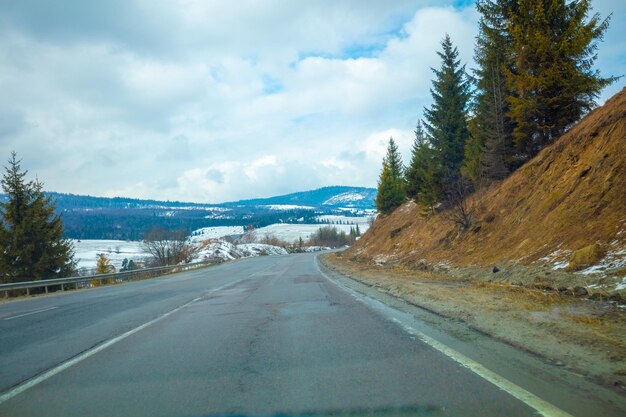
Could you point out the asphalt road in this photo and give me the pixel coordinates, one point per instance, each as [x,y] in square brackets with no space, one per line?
[258,336]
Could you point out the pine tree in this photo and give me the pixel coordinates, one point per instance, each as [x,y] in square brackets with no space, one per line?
[491,128]
[424,176]
[472,168]
[391,188]
[552,79]
[31,235]
[357,230]
[413,177]
[447,118]
[393,159]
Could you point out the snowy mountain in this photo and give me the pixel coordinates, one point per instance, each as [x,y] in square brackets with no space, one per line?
[344,199]
[335,196]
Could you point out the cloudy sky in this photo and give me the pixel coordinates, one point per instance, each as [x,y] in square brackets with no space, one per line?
[213,101]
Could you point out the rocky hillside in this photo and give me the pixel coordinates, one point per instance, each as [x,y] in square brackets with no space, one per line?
[565,209]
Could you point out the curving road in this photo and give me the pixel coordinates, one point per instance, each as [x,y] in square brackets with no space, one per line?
[261,336]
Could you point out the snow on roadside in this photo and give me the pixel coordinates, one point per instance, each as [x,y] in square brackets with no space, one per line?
[309,249]
[221,249]
[614,259]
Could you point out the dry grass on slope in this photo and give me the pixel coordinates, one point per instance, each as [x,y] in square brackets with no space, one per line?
[572,195]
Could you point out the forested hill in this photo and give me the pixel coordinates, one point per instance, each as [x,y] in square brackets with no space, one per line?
[87,217]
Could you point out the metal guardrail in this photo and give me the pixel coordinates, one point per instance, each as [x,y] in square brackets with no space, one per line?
[117,277]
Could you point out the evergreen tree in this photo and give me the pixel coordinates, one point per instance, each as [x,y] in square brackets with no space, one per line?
[552,79]
[431,177]
[472,168]
[413,177]
[446,120]
[393,159]
[424,176]
[357,230]
[128,265]
[491,154]
[391,188]
[31,234]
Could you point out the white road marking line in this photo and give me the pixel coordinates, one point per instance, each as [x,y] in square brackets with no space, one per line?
[29,313]
[63,366]
[543,407]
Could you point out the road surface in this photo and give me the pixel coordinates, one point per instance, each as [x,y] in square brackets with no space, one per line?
[262,336]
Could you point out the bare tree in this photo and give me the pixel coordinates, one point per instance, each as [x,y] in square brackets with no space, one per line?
[168,247]
[459,209]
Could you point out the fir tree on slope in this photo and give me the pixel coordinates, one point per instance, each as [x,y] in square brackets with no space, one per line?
[552,79]
[423,175]
[31,234]
[391,187]
[446,120]
[490,152]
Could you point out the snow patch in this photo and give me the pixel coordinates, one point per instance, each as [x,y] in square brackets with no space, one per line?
[285,207]
[362,221]
[343,198]
[214,233]
[221,249]
[613,259]
[293,232]
[559,259]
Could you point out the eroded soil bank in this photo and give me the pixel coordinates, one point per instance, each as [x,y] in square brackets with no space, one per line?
[585,335]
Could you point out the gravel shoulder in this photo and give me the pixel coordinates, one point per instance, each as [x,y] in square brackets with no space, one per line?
[587,336]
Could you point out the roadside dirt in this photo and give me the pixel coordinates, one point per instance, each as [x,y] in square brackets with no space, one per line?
[584,335]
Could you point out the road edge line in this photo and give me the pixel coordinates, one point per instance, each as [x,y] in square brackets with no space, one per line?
[543,407]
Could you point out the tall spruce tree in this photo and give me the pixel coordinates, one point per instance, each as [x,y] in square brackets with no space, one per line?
[31,234]
[423,177]
[446,120]
[552,79]
[491,154]
[391,187]
[472,167]
[413,176]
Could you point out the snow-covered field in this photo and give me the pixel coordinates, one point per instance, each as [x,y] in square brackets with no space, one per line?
[287,207]
[361,221]
[86,252]
[292,232]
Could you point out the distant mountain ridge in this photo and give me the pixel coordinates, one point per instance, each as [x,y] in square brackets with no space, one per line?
[88,217]
[336,196]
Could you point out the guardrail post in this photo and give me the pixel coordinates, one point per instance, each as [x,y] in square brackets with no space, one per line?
[27,291]
[46,288]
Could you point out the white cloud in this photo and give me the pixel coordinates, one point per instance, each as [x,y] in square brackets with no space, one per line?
[214,101]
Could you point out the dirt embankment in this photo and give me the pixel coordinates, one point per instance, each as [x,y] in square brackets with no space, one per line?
[563,211]
[586,336]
